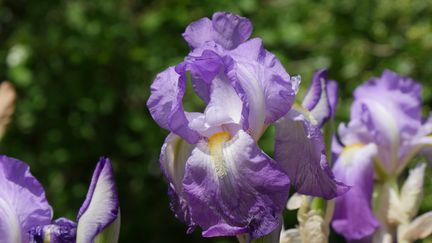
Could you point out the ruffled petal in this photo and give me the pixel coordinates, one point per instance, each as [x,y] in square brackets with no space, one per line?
[165,104]
[354,218]
[225,98]
[101,206]
[299,148]
[174,155]
[226,29]
[269,89]
[398,96]
[233,187]
[225,107]
[23,204]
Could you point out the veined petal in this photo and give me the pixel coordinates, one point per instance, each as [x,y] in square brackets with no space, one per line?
[226,29]
[354,218]
[400,99]
[101,206]
[421,143]
[269,89]
[225,98]
[225,106]
[165,104]
[299,149]
[23,204]
[233,187]
[62,230]
[382,126]
[174,155]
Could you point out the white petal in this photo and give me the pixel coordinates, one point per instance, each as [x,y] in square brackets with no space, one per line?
[420,228]
[101,207]
[291,236]
[10,228]
[412,190]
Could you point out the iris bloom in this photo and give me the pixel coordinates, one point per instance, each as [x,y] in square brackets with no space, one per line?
[299,145]
[218,177]
[385,132]
[26,216]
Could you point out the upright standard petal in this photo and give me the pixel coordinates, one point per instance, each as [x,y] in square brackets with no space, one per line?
[225,98]
[165,104]
[321,97]
[101,206]
[299,148]
[233,187]
[354,218]
[394,102]
[23,204]
[226,29]
[268,88]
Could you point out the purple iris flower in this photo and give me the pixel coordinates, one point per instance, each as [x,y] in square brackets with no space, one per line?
[385,132]
[218,177]
[299,143]
[26,216]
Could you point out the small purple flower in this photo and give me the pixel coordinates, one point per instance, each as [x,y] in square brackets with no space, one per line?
[219,179]
[26,216]
[386,116]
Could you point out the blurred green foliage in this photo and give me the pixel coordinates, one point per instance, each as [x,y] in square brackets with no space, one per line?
[83,70]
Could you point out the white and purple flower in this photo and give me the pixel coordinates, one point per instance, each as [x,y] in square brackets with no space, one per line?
[219,179]
[26,216]
[385,132]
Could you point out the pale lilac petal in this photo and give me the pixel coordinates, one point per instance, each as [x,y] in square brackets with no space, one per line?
[225,107]
[321,100]
[199,32]
[268,88]
[234,188]
[165,104]
[62,230]
[23,204]
[397,96]
[421,144]
[299,148]
[204,65]
[226,29]
[232,29]
[313,94]
[173,157]
[353,217]
[101,206]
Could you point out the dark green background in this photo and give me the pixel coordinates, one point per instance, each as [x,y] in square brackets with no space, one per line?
[83,69]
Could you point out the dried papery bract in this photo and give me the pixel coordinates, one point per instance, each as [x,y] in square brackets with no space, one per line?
[7,105]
